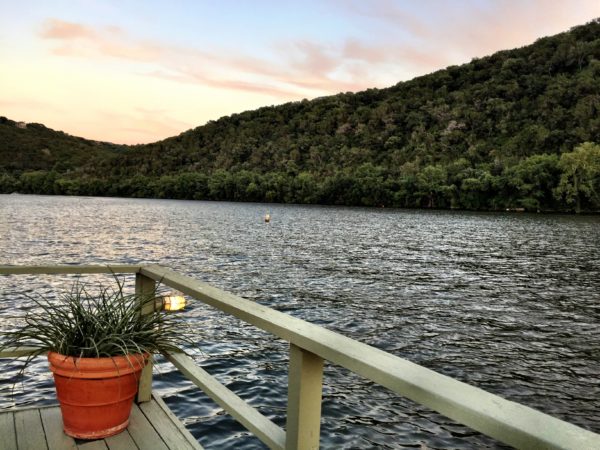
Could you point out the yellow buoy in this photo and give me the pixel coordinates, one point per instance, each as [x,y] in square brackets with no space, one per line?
[267,217]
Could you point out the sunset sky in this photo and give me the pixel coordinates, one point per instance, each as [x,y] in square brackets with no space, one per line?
[138,71]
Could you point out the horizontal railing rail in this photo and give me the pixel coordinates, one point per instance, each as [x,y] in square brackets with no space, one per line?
[504,420]
[68,269]
[17,352]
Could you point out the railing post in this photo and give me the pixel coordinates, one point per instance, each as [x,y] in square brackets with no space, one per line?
[305,386]
[144,285]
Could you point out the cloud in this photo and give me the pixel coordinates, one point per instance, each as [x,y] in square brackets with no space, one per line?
[459,31]
[388,41]
[191,76]
[313,58]
[416,58]
[354,49]
[28,103]
[139,125]
[83,41]
[59,29]
[304,68]
[387,11]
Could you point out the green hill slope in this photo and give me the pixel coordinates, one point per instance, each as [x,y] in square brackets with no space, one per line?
[32,157]
[495,133]
[34,147]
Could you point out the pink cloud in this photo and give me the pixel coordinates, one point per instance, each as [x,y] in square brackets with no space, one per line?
[59,29]
[324,83]
[387,11]
[394,54]
[459,31]
[313,58]
[83,41]
[191,76]
[141,125]
[307,70]
[354,49]
[400,42]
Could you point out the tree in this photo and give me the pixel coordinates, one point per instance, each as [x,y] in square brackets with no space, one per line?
[306,188]
[8,183]
[221,185]
[431,182]
[580,179]
[38,182]
[534,178]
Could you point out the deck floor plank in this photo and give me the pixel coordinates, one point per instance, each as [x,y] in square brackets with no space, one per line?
[8,437]
[169,432]
[142,431]
[29,429]
[53,428]
[178,423]
[92,445]
[151,427]
[121,441]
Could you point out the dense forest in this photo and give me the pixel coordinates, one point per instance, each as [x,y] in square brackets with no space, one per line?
[519,129]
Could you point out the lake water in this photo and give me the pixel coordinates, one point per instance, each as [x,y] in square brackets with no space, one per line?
[506,302]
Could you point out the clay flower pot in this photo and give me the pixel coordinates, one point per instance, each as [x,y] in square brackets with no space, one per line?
[96,394]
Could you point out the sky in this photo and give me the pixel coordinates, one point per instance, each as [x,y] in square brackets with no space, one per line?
[139,71]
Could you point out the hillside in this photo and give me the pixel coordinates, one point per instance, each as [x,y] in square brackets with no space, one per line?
[498,132]
[34,147]
[32,156]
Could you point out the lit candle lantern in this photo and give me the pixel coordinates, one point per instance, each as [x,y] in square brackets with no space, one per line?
[173,302]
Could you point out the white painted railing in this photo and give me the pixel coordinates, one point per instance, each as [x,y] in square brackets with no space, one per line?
[506,421]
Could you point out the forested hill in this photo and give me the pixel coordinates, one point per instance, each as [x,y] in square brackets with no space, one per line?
[518,129]
[32,146]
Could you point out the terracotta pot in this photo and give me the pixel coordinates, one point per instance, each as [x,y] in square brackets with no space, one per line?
[96,394]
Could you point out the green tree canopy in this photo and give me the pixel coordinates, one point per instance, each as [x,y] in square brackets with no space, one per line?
[580,179]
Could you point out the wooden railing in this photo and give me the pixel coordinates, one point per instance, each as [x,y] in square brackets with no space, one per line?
[506,421]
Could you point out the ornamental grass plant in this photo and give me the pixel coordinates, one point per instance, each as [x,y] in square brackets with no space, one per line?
[98,343]
[105,322]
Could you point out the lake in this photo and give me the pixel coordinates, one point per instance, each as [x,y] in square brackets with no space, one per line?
[507,302]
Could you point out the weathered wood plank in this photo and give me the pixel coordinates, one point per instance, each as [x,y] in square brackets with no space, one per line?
[121,441]
[165,426]
[53,429]
[29,430]
[509,422]
[8,438]
[249,417]
[92,445]
[70,269]
[160,429]
[16,352]
[305,388]
[145,285]
[182,429]
[142,431]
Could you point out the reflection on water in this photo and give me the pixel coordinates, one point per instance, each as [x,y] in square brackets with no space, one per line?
[506,302]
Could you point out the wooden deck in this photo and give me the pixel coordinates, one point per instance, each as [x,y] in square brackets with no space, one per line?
[151,426]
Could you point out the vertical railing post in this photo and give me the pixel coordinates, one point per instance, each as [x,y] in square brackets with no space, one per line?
[305,386]
[145,285]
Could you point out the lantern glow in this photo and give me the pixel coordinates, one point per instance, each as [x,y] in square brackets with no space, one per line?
[173,302]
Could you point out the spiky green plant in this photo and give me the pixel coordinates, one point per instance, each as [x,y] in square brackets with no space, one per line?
[102,324]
